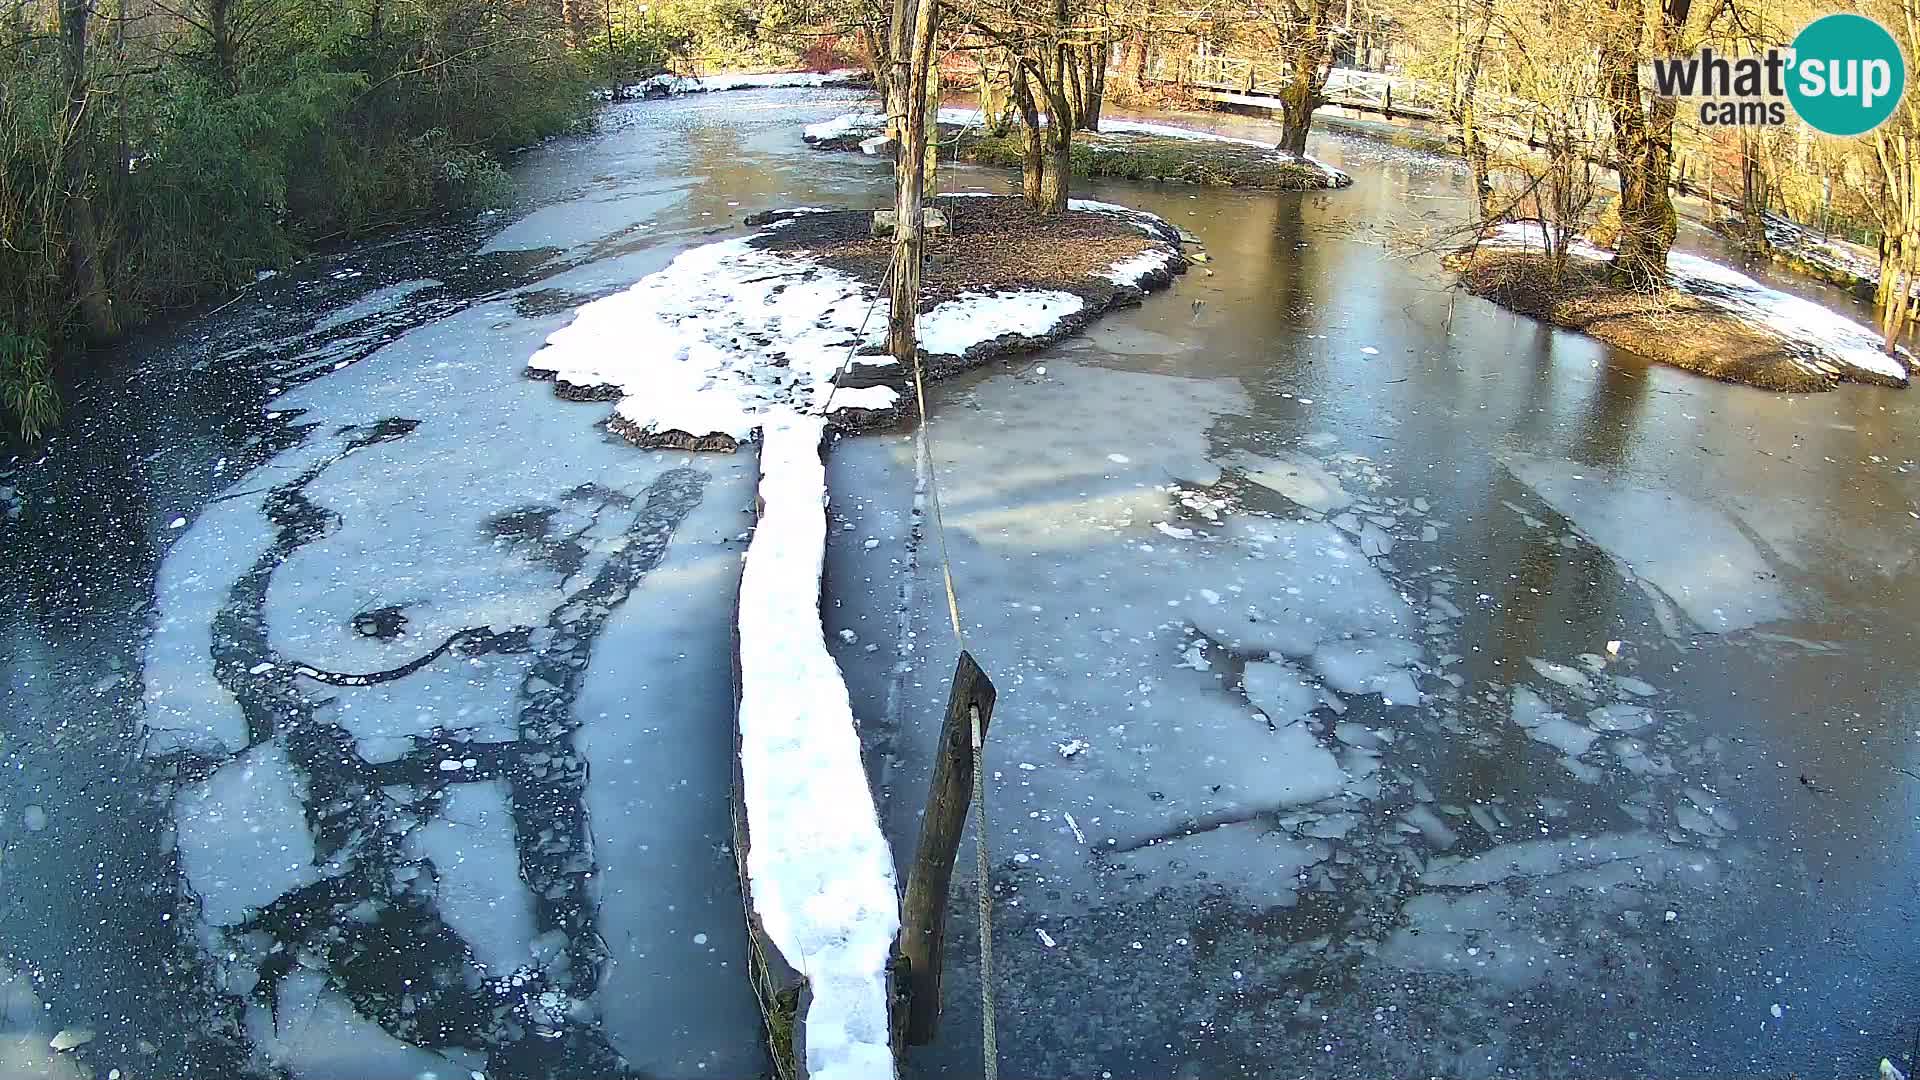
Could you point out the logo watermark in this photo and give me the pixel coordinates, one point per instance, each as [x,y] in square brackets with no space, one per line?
[1843,75]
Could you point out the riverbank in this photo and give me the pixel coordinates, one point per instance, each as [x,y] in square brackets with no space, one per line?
[1712,320]
[1121,150]
[667,84]
[790,317]
[1835,261]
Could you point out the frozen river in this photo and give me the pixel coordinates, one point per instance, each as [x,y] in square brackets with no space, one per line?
[1388,685]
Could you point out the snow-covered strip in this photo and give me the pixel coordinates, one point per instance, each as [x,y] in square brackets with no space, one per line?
[821,876]
[954,326]
[667,83]
[1815,331]
[721,336]
[840,125]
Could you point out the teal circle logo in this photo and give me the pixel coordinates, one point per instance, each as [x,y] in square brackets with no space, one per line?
[1847,75]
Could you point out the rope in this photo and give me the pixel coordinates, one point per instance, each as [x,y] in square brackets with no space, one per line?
[989,1043]
[886,279]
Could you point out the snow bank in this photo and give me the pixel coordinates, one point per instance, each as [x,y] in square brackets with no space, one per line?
[1139,268]
[820,872]
[724,334]
[1824,341]
[669,84]
[1799,320]
[954,326]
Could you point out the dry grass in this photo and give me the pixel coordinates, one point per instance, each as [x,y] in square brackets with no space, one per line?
[1668,327]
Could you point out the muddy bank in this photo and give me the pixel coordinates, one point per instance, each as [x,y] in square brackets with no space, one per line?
[1679,327]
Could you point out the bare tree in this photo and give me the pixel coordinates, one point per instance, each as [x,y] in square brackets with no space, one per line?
[1642,134]
[76,154]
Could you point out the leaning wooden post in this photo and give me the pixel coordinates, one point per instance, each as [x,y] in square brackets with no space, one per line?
[923,917]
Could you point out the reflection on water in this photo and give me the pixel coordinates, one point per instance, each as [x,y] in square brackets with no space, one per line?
[356,685]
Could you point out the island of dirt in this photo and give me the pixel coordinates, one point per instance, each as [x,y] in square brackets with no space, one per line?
[998,246]
[1711,320]
[793,317]
[1130,155]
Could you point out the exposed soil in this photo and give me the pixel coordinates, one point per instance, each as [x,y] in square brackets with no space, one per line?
[1135,156]
[1669,327]
[992,244]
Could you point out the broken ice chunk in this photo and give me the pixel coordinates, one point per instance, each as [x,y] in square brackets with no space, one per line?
[1620,717]
[1300,479]
[1278,690]
[1570,677]
[1373,665]
[1436,831]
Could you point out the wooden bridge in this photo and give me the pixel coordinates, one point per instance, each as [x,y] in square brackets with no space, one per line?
[1234,81]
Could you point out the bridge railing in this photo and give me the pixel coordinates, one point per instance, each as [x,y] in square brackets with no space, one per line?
[1372,91]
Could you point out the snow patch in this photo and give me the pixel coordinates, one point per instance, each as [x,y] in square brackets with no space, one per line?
[954,326]
[673,85]
[693,348]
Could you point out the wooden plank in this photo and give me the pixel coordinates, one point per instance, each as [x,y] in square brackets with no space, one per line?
[923,919]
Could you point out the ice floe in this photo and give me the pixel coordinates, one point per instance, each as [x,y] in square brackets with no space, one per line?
[1687,551]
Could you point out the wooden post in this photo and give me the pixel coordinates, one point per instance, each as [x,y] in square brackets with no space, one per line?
[923,918]
[1389,101]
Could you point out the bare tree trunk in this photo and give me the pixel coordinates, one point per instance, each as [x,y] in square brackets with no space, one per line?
[221,43]
[1070,85]
[1033,156]
[1471,144]
[1054,65]
[1095,82]
[1753,194]
[996,101]
[1643,141]
[881,68]
[1307,57]
[912,39]
[930,123]
[83,227]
